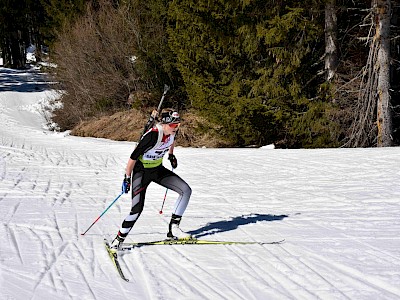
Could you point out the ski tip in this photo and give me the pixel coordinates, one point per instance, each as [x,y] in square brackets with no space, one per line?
[160,212]
[278,242]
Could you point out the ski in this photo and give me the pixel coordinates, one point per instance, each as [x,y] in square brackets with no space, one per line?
[114,258]
[192,241]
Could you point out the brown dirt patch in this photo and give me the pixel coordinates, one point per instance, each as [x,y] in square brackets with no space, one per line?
[195,131]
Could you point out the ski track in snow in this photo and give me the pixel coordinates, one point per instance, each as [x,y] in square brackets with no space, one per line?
[337,209]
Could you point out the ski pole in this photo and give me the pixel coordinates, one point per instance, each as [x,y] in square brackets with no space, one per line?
[165,197]
[162,206]
[135,193]
[103,213]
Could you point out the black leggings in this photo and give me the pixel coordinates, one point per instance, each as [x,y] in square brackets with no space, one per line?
[142,177]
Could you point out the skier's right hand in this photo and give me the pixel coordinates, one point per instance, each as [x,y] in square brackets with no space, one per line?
[154,115]
[126,184]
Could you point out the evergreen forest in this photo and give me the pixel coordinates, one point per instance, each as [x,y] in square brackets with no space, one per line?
[298,74]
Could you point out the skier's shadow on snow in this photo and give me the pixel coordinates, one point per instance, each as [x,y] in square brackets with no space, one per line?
[232,224]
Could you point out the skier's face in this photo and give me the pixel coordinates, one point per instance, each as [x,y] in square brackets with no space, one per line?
[171,128]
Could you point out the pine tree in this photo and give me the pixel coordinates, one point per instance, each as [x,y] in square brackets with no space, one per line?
[13,34]
[60,13]
[27,22]
[250,66]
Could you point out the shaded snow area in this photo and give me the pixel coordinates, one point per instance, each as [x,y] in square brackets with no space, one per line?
[337,209]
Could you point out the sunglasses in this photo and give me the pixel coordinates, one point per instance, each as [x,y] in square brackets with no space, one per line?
[174,125]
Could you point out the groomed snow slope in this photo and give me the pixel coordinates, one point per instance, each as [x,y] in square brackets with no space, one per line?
[338,209]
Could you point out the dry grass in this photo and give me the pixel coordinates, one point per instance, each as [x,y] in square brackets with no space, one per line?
[128,126]
[121,126]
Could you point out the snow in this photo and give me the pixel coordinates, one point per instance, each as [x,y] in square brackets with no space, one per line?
[337,209]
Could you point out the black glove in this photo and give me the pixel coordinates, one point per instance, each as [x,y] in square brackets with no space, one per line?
[173,160]
[126,184]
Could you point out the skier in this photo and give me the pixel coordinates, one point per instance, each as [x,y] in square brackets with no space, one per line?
[145,166]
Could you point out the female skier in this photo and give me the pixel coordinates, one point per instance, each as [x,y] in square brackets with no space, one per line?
[145,166]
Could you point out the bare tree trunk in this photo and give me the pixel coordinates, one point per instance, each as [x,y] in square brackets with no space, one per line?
[13,49]
[331,53]
[382,11]
[373,122]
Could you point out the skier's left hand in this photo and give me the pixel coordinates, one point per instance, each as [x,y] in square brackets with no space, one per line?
[173,160]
